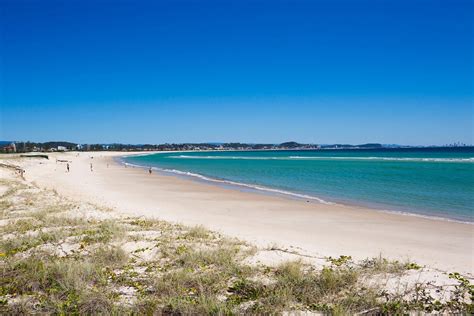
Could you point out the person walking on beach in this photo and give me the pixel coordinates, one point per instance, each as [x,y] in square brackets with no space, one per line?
[149,170]
[67,167]
[91,167]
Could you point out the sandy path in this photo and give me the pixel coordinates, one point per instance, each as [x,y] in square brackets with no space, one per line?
[312,228]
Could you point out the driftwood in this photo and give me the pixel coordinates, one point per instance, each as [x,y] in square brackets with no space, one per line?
[14,167]
[35,156]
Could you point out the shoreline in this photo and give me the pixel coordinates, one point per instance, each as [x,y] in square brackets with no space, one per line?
[314,229]
[269,191]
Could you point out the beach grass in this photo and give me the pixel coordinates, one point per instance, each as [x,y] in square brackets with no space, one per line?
[66,257]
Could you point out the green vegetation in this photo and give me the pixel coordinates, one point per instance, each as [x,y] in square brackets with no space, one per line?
[56,261]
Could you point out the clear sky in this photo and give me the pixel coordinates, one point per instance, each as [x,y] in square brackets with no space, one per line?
[337,71]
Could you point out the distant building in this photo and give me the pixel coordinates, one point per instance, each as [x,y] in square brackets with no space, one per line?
[62,148]
[10,148]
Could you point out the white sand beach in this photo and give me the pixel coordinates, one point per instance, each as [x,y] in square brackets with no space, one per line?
[310,228]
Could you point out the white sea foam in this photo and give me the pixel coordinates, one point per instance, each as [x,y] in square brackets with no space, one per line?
[132,165]
[227,157]
[468,160]
[245,185]
[431,217]
[407,159]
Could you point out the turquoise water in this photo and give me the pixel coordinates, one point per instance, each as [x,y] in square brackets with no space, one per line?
[432,182]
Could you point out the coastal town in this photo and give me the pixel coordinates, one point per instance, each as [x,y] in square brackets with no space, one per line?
[61,146]
[18,147]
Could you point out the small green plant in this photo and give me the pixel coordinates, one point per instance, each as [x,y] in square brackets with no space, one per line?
[463,288]
[339,261]
[412,266]
[142,223]
[244,290]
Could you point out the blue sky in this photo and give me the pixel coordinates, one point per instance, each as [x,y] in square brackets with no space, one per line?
[252,71]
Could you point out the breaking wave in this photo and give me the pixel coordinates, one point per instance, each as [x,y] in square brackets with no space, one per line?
[404,159]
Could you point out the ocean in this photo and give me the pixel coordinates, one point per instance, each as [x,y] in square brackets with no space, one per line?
[436,182]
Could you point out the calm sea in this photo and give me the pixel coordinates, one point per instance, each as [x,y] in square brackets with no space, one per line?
[432,182]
